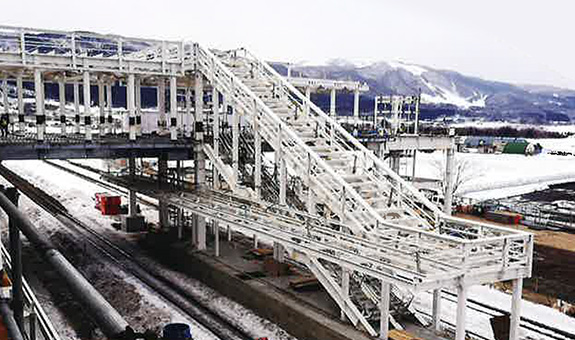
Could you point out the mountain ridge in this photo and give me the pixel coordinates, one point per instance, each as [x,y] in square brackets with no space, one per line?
[448,89]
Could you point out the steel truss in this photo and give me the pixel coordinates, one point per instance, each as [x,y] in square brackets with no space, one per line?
[376,229]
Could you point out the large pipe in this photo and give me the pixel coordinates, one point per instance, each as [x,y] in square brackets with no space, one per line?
[108,319]
[9,322]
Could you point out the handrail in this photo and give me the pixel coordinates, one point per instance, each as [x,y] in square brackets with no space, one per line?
[349,137]
[319,161]
[380,164]
[53,31]
[213,61]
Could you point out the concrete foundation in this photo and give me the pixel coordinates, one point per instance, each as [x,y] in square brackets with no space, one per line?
[132,224]
[301,318]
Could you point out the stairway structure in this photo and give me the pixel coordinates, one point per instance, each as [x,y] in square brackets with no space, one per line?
[378,239]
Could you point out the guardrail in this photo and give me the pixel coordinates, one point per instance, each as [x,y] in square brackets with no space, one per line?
[21,46]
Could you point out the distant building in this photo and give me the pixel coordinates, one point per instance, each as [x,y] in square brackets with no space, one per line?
[489,144]
[522,148]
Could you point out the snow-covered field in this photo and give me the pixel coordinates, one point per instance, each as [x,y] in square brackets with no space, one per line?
[501,175]
[569,128]
[479,323]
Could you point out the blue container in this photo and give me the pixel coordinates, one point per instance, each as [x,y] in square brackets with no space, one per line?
[177,331]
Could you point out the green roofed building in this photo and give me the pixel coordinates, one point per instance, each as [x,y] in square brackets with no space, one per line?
[522,148]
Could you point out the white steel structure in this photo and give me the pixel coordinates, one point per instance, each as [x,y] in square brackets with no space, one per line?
[378,238]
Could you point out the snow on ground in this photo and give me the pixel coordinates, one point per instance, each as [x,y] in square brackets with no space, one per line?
[62,184]
[77,194]
[478,322]
[556,144]
[501,175]
[569,128]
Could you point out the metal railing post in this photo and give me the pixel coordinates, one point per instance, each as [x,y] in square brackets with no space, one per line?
[16,255]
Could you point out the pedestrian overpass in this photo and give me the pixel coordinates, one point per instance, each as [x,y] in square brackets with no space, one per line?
[369,236]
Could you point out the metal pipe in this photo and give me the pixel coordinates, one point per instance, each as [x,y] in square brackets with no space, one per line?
[108,319]
[9,321]
[16,256]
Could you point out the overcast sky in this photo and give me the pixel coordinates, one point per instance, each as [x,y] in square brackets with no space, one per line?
[520,41]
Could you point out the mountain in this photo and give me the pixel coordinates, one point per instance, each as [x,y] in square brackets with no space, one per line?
[446,92]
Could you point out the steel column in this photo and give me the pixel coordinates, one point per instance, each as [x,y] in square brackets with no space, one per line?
[515,309]
[235,144]
[173,108]
[40,117]
[10,322]
[131,103]
[384,310]
[308,97]
[217,238]
[188,121]
[161,92]
[356,103]
[332,103]
[102,108]
[258,159]
[138,100]
[109,104]
[413,166]
[200,162]
[344,288]
[132,206]
[162,205]
[216,130]
[448,194]
[62,99]
[282,169]
[76,107]
[20,91]
[436,310]
[5,100]
[461,312]
[87,107]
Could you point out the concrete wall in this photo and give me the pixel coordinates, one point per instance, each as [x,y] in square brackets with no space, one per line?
[292,314]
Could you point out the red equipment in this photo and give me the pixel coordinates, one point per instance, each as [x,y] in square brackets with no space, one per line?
[108,204]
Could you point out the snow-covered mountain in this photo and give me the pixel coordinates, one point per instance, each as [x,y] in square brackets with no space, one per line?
[440,88]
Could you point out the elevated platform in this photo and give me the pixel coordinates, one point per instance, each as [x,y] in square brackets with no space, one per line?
[55,146]
[402,143]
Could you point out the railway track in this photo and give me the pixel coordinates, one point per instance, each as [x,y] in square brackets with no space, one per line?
[526,323]
[150,277]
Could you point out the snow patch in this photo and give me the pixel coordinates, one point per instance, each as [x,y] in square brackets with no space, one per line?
[413,69]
